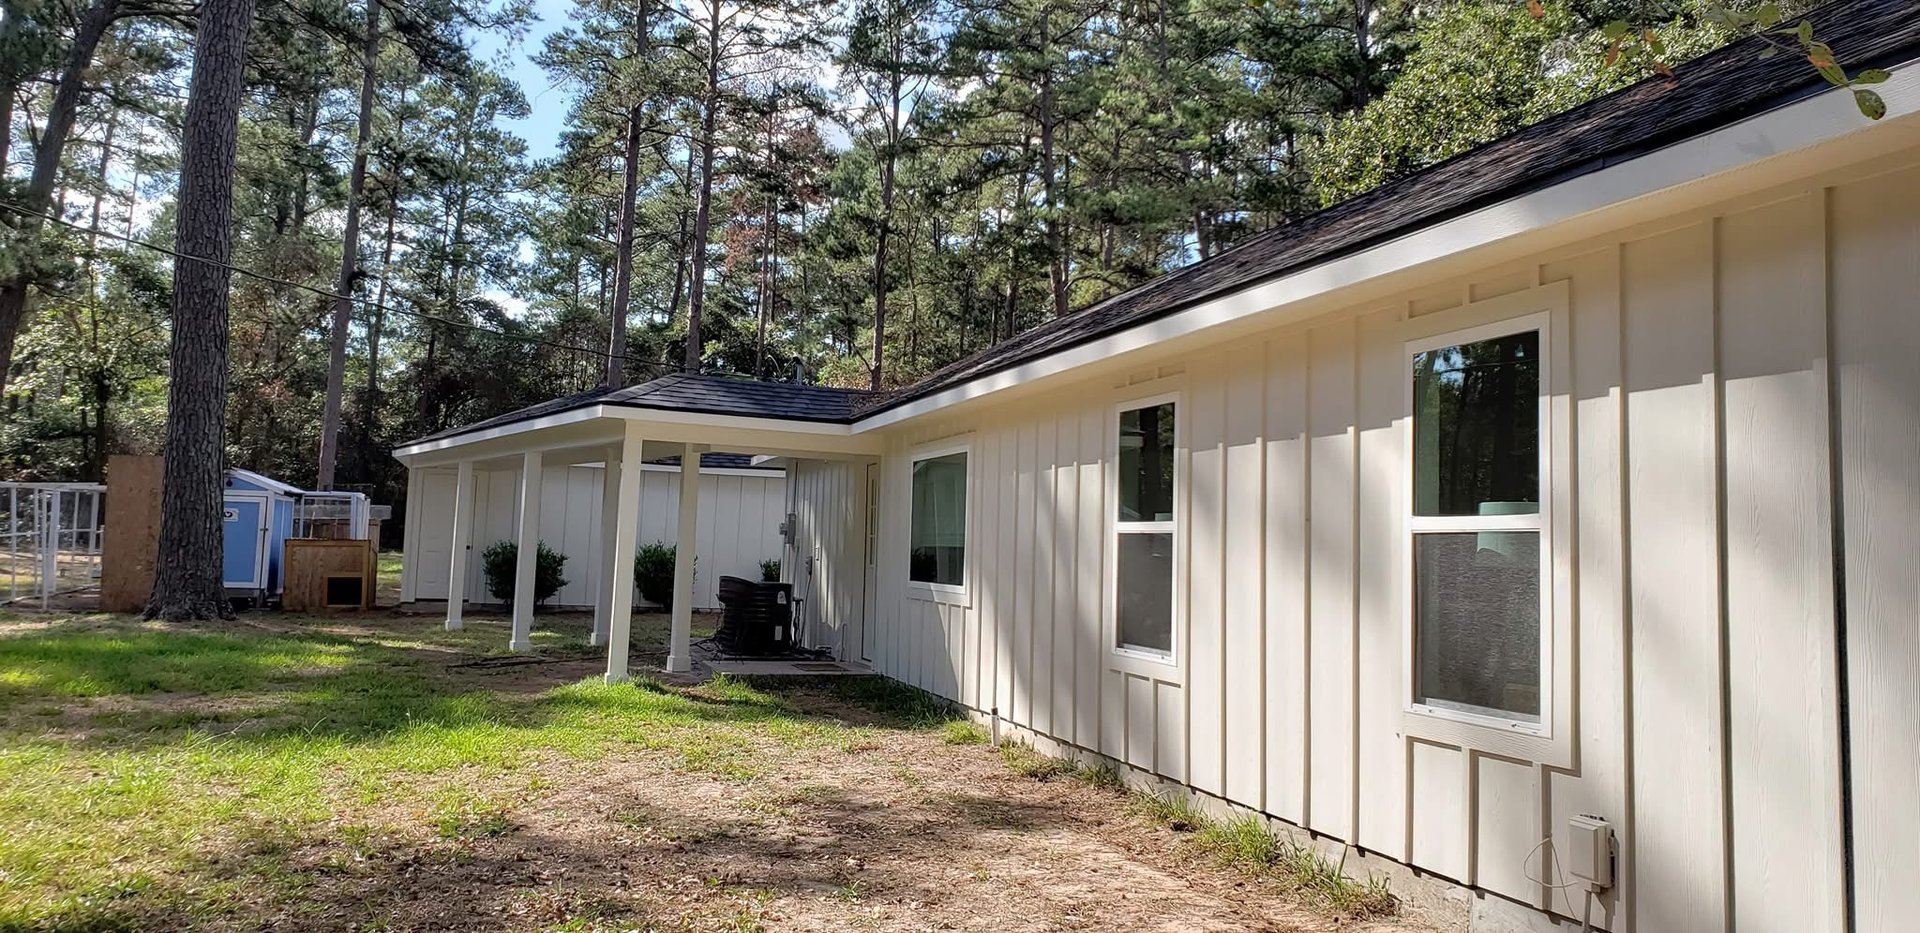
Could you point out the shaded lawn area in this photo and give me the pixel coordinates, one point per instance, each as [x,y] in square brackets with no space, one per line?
[377,772]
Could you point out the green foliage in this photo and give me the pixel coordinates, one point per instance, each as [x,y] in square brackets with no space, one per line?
[653,573]
[963,732]
[500,563]
[770,570]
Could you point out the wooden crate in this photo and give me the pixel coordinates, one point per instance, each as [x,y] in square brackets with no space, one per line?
[315,566]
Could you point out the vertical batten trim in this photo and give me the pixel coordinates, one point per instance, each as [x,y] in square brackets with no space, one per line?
[1716,380]
[1623,469]
[1305,764]
[1355,532]
[1260,563]
[1836,521]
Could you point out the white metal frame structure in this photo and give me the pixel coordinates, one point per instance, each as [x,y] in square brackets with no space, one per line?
[51,534]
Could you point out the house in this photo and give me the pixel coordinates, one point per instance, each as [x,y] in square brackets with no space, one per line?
[1559,501]
[741,507]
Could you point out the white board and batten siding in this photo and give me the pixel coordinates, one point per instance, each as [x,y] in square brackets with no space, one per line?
[1736,414]
[740,515]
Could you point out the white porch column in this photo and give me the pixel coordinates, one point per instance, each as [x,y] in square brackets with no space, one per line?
[625,519]
[457,549]
[679,647]
[528,555]
[609,549]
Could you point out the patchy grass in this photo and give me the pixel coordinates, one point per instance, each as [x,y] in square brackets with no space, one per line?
[1026,762]
[1249,844]
[129,750]
[962,732]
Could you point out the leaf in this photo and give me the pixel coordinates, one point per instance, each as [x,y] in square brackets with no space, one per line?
[1870,104]
[1538,11]
[1872,76]
[1829,71]
[1767,16]
[1618,29]
[1770,51]
[1613,53]
[1805,32]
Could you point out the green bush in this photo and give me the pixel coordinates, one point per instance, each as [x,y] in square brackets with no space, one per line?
[653,573]
[500,562]
[770,570]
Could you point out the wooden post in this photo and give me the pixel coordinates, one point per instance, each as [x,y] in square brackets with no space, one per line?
[457,549]
[679,653]
[619,580]
[529,552]
[609,548]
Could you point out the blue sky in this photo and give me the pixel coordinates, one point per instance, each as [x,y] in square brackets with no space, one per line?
[548,103]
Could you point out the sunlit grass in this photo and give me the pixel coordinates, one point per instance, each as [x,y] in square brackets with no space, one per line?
[134,757]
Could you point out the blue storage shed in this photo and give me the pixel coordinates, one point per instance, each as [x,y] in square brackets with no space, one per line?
[259,520]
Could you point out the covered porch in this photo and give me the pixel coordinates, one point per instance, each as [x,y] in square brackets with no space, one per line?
[681,416]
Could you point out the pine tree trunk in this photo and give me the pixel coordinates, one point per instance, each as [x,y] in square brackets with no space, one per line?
[187,579]
[615,376]
[349,254]
[46,163]
[703,213]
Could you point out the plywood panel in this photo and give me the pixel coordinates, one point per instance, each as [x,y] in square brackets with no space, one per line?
[1090,648]
[1006,552]
[1680,845]
[1141,721]
[1243,731]
[1381,777]
[1205,523]
[1170,733]
[1783,741]
[986,515]
[1439,837]
[1598,783]
[1330,757]
[1876,333]
[131,541]
[1286,595]
[1040,567]
[1066,503]
[1026,477]
[1507,830]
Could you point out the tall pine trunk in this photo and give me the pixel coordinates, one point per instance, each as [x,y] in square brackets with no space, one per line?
[703,211]
[46,164]
[629,195]
[349,254]
[187,579]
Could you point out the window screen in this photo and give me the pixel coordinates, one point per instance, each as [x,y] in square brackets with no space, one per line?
[1144,530]
[939,536]
[1476,527]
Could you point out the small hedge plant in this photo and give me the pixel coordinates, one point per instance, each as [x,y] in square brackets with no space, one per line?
[500,562]
[653,573]
[770,570]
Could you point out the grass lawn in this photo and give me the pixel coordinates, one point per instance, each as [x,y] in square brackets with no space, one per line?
[376,772]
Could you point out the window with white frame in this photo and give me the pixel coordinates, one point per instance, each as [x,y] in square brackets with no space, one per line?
[1477,555]
[937,544]
[1144,530]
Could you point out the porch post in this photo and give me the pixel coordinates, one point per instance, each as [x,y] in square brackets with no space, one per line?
[462,530]
[529,548]
[609,527]
[679,648]
[626,528]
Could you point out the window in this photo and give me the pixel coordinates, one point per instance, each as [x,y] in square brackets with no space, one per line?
[1477,558]
[937,553]
[1143,530]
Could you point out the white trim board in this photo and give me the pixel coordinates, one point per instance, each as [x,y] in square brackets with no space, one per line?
[1681,174]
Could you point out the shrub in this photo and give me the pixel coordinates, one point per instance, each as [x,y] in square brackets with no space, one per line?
[653,573]
[770,570]
[500,560]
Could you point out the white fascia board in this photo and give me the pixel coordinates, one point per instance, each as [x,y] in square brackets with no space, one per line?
[571,416]
[1809,122]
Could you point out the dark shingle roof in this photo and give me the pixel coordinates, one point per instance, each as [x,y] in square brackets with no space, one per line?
[1712,91]
[703,393]
[717,461]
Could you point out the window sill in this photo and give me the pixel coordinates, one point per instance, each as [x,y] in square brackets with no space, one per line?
[945,594]
[1162,667]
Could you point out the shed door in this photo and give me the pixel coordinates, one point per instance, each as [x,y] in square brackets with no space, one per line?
[434,538]
[244,541]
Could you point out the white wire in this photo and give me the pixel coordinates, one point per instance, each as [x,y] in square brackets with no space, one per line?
[1547,843]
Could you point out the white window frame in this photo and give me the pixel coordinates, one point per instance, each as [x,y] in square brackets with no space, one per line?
[1549,741]
[942,592]
[1159,664]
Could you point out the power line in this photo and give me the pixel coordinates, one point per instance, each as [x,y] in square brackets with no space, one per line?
[324,293]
